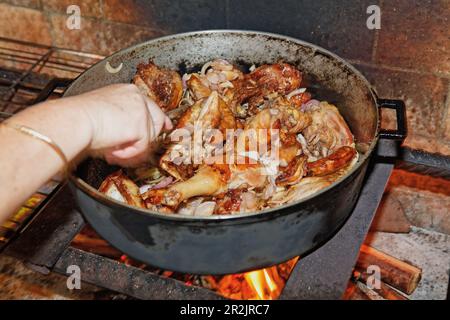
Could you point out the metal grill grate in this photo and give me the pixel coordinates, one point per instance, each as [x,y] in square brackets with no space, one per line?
[26,70]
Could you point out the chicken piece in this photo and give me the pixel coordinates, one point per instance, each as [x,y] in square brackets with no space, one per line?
[121,188]
[299,99]
[211,180]
[161,85]
[243,175]
[281,116]
[197,207]
[175,161]
[288,153]
[228,202]
[208,181]
[210,113]
[219,74]
[199,89]
[327,133]
[250,202]
[334,162]
[205,113]
[279,78]
[293,173]
[247,175]
[292,119]
[303,189]
[255,173]
[216,75]
[290,148]
[227,119]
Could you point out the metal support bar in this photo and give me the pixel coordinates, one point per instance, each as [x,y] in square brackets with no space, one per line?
[49,233]
[134,282]
[432,164]
[324,274]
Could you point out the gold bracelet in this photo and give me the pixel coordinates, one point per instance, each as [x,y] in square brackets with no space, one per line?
[39,136]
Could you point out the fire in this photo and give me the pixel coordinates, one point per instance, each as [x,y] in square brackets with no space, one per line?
[264,284]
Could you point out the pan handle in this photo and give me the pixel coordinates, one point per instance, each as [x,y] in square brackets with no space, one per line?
[402,129]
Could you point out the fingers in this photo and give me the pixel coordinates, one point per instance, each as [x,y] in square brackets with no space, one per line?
[159,120]
[129,155]
[127,133]
[126,163]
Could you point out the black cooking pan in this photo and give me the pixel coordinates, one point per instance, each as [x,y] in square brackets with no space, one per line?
[235,243]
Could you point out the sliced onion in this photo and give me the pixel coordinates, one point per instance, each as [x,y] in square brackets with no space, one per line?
[304,144]
[205,67]
[213,77]
[253,155]
[270,190]
[164,183]
[249,201]
[310,105]
[145,188]
[222,65]
[296,92]
[226,84]
[205,209]
[184,79]
[114,192]
[189,208]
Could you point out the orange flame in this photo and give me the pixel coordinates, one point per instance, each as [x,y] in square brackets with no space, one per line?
[264,284]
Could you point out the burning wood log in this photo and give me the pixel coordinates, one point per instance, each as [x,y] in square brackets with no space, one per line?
[357,290]
[354,292]
[384,290]
[394,272]
[95,245]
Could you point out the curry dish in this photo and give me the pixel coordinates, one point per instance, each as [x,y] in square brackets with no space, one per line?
[209,165]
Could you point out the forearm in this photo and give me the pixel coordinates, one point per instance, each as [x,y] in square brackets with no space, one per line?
[26,162]
[116,122]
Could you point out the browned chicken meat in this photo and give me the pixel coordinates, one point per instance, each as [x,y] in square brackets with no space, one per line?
[302,145]
[119,187]
[161,85]
[264,82]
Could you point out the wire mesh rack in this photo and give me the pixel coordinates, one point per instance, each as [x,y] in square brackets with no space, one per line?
[26,71]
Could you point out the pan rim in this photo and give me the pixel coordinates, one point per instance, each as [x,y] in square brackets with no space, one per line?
[98,196]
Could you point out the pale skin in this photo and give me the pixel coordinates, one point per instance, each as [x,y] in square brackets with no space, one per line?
[117,123]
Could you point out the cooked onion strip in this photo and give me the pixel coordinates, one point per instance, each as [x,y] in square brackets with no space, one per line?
[296,92]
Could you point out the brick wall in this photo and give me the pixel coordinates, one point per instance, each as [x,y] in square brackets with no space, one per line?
[408,58]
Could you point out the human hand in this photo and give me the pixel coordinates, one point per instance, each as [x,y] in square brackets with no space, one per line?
[124,123]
